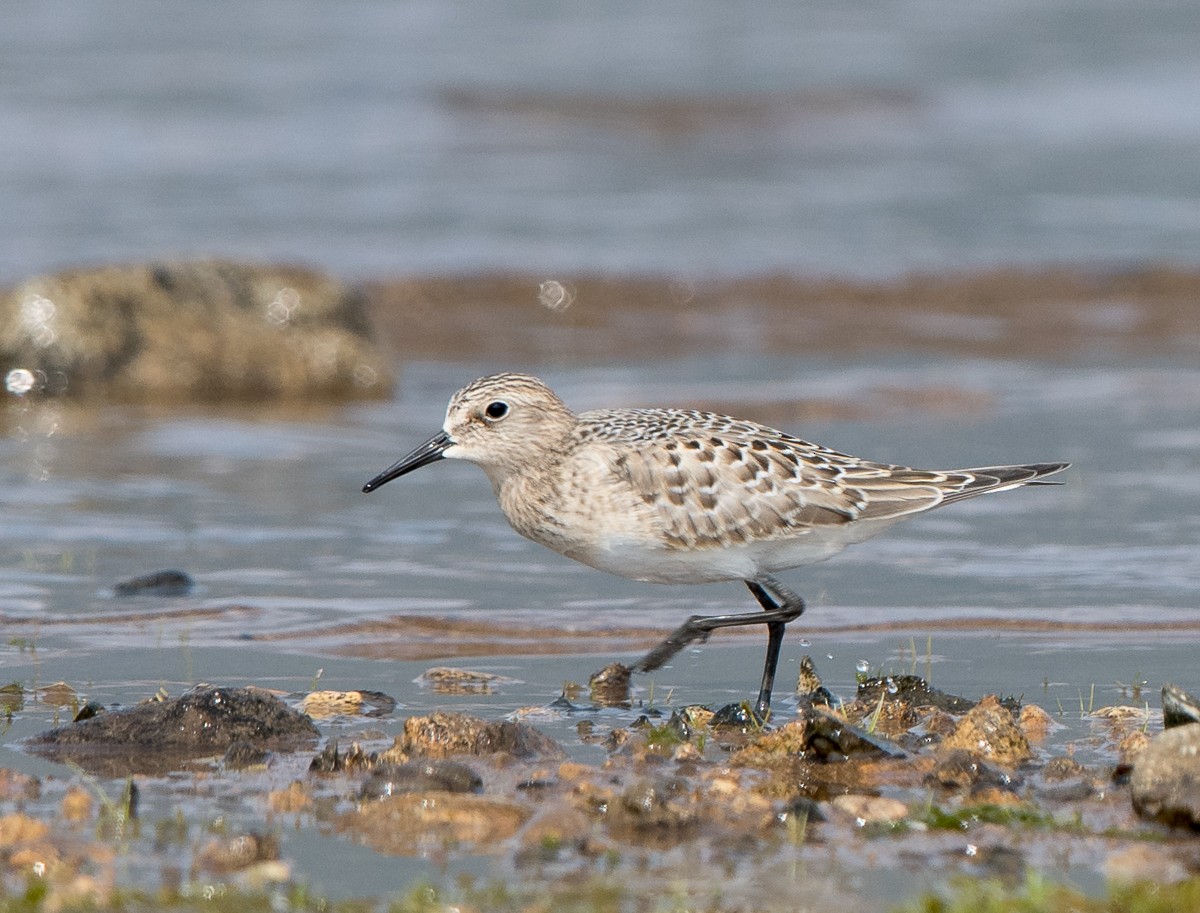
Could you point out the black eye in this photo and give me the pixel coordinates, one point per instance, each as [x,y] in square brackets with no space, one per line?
[496,410]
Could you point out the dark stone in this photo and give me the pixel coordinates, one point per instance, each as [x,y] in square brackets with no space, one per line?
[655,805]
[160,583]
[1179,708]
[911,689]
[738,717]
[420,777]
[830,738]
[679,725]
[89,710]
[803,808]
[331,761]
[158,736]
[961,770]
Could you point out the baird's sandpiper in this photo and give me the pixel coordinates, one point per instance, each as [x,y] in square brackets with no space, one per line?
[679,496]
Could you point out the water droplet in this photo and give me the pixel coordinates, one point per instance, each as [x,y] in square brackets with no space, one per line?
[36,310]
[19,381]
[892,687]
[555,296]
[283,305]
[862,667]
[365,375]
[805,642]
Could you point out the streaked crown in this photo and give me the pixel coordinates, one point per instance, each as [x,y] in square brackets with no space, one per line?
[507,422]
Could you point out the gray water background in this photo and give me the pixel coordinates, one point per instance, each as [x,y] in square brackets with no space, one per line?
[382,138]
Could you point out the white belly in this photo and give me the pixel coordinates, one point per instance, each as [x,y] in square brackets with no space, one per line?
[710,565]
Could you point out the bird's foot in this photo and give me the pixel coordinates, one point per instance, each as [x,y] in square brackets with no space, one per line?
[687,633]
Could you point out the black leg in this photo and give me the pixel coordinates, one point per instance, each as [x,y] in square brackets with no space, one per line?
[780,606]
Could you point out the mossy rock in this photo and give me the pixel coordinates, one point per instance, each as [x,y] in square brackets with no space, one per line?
[181,331]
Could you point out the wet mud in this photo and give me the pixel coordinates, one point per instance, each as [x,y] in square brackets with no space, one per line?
[900,775]
[157,735]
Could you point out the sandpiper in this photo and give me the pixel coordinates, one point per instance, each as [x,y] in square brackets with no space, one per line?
[680,496]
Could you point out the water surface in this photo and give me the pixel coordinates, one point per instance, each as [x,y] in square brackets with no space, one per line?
[385,138]
[1069,596]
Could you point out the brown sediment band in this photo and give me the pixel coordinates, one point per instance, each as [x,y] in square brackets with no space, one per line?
[424,638]
[1009,313]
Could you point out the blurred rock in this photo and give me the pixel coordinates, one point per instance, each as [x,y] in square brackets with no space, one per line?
[418,777]
[223,856]
[962,771]
[412,824]
[159,583]
[202,330]
[1166,777]
[244,755]
[1036,723]
[871,809]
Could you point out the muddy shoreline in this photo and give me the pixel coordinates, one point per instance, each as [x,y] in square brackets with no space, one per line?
[897,777]
[1005,313]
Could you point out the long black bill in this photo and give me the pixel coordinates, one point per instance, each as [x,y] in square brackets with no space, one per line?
[429,452]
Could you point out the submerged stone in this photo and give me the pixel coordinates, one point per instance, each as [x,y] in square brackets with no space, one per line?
[159,583]
[419,823]
[450,680]
[414,777]
[963,771]
[158,736]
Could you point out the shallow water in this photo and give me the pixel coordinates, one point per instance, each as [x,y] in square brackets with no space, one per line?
[384,138]
[266,511]
[1066,595]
